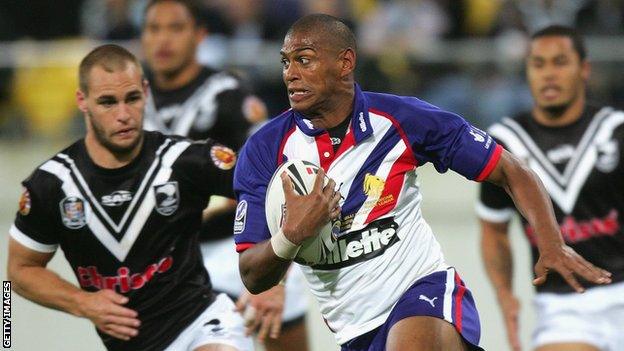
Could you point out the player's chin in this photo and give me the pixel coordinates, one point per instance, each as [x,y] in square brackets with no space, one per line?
[165,66]
[126,142]
[303,107]
[555,107]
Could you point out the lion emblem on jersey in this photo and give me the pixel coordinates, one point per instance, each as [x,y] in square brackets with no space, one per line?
[73,212]
[223,157]
[167,198]
[373,185]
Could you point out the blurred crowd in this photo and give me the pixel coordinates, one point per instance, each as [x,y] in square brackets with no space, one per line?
[463,55]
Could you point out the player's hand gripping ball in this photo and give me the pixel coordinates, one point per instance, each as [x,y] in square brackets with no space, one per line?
[313,250]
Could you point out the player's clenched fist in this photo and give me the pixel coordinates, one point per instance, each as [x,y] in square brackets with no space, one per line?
[104,308]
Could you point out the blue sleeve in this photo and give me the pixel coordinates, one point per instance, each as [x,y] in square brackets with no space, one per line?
[253,172]
[449,142]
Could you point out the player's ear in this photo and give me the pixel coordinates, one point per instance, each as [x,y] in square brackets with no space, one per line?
[81,100]
[145,84]
[348,62]
[200,34]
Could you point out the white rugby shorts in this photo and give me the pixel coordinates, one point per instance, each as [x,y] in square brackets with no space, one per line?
[218,324]
[595,317]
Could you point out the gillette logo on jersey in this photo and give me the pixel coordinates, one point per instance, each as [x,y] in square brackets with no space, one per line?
[362,245]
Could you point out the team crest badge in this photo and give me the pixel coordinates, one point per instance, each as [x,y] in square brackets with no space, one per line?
[608,156]
[24,203]
[373,185]
[73,212]
[223,157]
[167,198]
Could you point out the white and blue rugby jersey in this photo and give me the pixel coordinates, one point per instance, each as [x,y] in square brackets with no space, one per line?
[384,245]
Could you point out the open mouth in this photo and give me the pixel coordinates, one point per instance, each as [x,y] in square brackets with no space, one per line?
[297,95]
[550,91]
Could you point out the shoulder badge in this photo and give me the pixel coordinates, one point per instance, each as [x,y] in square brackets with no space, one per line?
[223,157]
[24,203]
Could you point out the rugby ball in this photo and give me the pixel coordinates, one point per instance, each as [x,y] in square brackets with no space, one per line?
[302,174]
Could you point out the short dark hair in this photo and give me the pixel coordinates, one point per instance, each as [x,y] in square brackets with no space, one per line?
[330,28]
[193,7]
[564,31]
[110,57]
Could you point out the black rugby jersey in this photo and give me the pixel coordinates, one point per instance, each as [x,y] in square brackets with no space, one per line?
[210,106]
[582,169]
[131,229]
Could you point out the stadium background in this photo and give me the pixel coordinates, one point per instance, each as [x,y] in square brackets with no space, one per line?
[462,55]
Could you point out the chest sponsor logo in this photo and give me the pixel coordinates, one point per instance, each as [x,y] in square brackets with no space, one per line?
[362,245]
[117,198]
[223,157]
[574,231]
[240,217]
[167,198]
[73,212]
[124,281]
[24,203]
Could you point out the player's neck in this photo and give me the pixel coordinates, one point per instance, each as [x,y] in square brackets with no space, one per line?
[335,111]
[179,78]
[105,158]
[568,116]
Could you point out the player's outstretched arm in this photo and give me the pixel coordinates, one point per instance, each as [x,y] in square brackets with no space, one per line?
[263,265]
[498,261]
[531,199]
[31,279]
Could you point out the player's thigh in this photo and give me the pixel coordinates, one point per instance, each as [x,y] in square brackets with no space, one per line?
[567,347]
[216,347]
[292,337]
[424,333]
